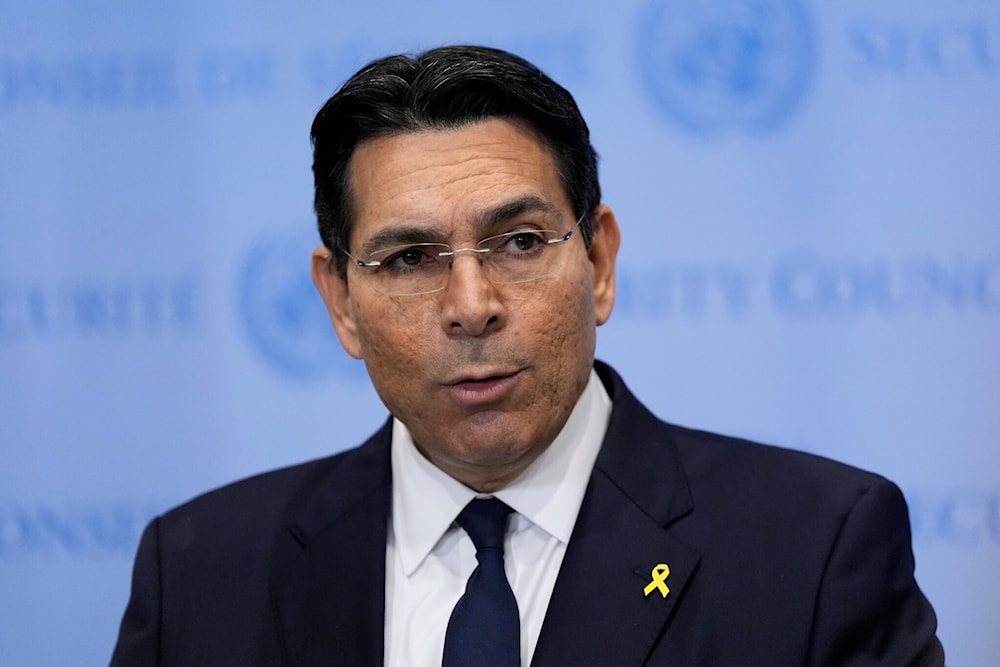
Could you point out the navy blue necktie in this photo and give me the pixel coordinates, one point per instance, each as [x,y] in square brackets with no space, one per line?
[485,628]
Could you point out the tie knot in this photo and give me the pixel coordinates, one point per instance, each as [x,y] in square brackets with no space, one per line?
[485,520]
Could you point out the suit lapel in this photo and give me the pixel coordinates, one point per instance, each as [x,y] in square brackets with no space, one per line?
[328,591]
[599,613]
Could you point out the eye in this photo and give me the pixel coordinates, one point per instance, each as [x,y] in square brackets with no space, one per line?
[410,258]
[523,242]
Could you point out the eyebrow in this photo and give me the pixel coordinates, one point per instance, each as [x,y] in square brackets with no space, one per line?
[512,209]
[399,236]
[484,222]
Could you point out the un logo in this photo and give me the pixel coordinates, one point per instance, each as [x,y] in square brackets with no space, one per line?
[283,315]
[716,65]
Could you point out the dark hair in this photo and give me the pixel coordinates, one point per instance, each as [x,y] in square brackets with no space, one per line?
[445,88]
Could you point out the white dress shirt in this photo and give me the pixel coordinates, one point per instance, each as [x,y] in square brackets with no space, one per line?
[429,558]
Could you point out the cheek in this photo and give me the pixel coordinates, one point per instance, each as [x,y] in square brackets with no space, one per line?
[564,327]
[574,307]
[391,335]
[391,358]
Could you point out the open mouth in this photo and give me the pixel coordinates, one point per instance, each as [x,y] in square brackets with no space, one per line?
[486,389]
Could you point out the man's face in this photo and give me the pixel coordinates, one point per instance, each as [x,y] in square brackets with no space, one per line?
[483,375]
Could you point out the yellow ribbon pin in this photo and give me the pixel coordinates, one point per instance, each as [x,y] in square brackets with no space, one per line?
[659,574]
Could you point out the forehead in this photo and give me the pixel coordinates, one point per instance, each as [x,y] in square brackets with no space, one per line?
[444,179]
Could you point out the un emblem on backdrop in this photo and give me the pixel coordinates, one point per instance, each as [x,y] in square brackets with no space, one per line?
[712,66]
[283,316]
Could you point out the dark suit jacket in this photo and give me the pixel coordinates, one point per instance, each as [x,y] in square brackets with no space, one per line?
[776,558]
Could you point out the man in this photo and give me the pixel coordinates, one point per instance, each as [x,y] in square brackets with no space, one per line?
[467,259]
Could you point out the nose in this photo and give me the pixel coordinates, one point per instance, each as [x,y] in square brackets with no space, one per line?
[470,303]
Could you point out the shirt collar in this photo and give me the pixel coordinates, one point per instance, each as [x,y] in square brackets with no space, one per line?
[425,500]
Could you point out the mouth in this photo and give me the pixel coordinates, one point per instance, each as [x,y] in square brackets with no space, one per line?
[482,389]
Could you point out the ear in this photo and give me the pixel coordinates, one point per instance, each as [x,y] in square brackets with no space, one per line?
[336,296]
[603,254]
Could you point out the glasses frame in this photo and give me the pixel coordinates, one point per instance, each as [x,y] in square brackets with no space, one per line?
[452,252]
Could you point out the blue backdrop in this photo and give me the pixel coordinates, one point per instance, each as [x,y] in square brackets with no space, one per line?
[810,200]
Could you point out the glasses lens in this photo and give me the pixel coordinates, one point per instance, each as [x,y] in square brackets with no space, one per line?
[520,256]
[412,269]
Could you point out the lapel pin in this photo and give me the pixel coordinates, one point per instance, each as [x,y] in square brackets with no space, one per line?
[659,574]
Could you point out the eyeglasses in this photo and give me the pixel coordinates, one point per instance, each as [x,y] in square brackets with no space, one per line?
[520,256]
